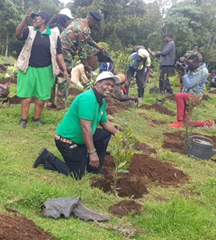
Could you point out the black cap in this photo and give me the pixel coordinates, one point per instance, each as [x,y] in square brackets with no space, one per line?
[42,14]
[96,15]
[168,35]
[196,45]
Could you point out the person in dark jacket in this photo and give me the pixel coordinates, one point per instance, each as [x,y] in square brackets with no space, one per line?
[167,61]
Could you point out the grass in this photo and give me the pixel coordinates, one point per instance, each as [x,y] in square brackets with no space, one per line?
[174,213]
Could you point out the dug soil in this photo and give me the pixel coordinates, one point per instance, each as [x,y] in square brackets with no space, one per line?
[158,108]
[8,80]
[176,142]
[143,170]
[125,207]
[18,227]
[114,105]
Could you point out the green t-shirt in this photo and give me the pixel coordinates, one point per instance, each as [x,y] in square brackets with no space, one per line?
[84,106]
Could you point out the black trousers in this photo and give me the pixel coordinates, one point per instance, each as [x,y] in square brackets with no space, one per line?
[140,79]
[164,83]
[76,156]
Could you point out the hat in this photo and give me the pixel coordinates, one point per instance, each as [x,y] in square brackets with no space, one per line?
[196,45]
[42,14]
[168,35]
[122,77]
[108,75]
[143,53]
[66,12]
[96,15]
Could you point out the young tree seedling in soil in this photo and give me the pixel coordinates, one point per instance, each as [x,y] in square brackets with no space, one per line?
[122,152]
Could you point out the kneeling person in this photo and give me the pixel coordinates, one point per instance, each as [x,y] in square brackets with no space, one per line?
[82,145]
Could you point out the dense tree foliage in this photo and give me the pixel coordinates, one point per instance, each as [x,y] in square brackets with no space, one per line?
[127,24]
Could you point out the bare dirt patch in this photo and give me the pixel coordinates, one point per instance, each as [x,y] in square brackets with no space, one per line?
[125,207]
[144,147]
[74,91]
[151,122]
[114,105]
[143,170]
[7,80]
[176,142]
[17,100]
[20,228]
[213,91]
[158,108]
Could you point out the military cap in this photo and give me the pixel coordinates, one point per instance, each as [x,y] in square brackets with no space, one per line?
[96,15]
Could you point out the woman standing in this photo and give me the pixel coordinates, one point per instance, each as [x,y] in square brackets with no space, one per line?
[38,63]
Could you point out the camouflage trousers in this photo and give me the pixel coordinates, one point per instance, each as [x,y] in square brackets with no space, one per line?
[59,94]
[58,100]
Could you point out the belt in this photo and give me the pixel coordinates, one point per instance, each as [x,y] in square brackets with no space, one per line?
[57,137]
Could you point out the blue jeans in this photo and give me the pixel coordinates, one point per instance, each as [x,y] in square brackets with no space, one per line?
[76,156]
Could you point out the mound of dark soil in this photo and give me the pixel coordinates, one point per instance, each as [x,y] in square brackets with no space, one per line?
[20,228]
[7,80]
[114,105]
[74,91]
[124,207]
[213,91]
[170,97]
[206,97]
[17,100]
[155,171]
[176,142]
[143,170]
[158,108]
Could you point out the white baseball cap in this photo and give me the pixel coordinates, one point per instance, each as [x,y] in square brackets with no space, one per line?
[108,75]
[143,53]
[67,12]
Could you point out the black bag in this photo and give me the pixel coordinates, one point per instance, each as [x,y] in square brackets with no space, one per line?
[104,56]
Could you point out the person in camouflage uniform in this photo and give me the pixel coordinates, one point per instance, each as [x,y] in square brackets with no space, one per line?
[59,23]
[192,52]
[74,40]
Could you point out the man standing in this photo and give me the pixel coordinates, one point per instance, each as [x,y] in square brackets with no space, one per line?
[167,60]
[193,83]
[74,40]
[81,144]
[139,63]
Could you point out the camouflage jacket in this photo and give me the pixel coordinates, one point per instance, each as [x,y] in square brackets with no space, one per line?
[75,38]
[189,53]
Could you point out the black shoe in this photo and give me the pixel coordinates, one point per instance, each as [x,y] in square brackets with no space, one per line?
[23,123]
[41,157]
[37,120]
